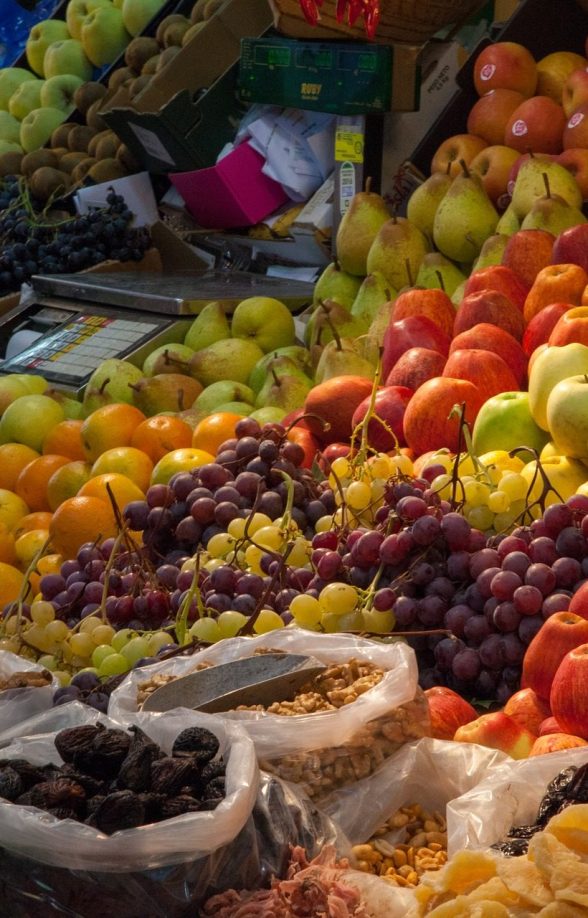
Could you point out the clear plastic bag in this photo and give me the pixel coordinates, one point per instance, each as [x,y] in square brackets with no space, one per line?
[17,705]
[325,750]
[509,795]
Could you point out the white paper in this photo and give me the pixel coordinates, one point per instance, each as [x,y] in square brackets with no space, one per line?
[135,189]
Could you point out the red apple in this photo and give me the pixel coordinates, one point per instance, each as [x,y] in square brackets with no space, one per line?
[536,125]
[415,366]
[307,441]
[489,116]
[527,709]
[427,424]
[498,731]
[569,692]
[527,252]
[505,65]
[419,301]
[571,246]
[448,711]
[549,725]
[493,165]
[579,602]
[558,635]
[575,91]
[492,338]
[330,453]
[501,278]
[576,162]
[390,406]
[486,370]
[571,328]
[521,162]
[333,403]
[562,283]
[413,331]
[450,152]
[575,132]
[540,327]
[489,306]
[295,416]
[555,742]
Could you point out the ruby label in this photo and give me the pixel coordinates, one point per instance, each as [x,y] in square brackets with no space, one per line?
[520,128]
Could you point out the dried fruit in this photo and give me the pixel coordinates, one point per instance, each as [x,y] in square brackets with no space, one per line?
[214,790]
[135,771]
[28,774]
[106,754]
[74,740]
[10,783]
[61,792]
[212,770]
[168,775]
[121,810]
[177,806]
[196,741]
[63,812]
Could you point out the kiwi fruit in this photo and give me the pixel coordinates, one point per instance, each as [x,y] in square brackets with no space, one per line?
[175,32]
[46,181]
[121,76]
[124,156]
[211,8]
[80,171]
[86,94]
[197,14]
[139,50]
[139,84]
[80,137]
[166,56]
[192,31]
[150,66]
[163,25]
[68,162]
[38,158]
[11,163]
[60,134]
[93,117]
[107,146]
[107,170]
[96,140]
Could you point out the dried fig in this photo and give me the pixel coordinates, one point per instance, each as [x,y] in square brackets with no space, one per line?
[198,742]
[121,810]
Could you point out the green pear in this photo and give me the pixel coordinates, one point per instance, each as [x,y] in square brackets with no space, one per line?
[552,213]
[424,201]
[372,294]
[164,392]
[110,383]
[509,223]
[491,252]
[242,408]
[343,357]
[438,272]
[209,326]
[374,340]
[530,185]
[268,415]
[336,284]
[278,366]
[168,358]
[397,252]
[232,358]
[366,213]
[287,392]
[299,358]
[72,409]
[218,393]
[465,218]
[11,388]
[330,318]
[36,385]
[458,294]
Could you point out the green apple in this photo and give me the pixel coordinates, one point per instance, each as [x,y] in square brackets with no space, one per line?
[567,416]
[58,92]
[264,320]
[139,13]
[219,393]
[549,367]
[37,127]
[26,98]
[29,419]
[6,146]
[564,475]
[77,10]
[268,415]
[40,37]
[67,57]
[504,422]
[104,37]
[10,80]
[9,127]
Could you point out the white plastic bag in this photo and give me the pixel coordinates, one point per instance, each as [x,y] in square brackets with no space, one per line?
[430,772]
[19,704]
[327,749]
[509,795]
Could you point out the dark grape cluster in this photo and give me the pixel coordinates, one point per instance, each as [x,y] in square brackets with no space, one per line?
[31,244]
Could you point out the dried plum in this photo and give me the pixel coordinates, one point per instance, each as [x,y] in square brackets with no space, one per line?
[550,805]
[11,785]
[177,806]
[561,780]
[58,793]
[121,810]
[74,740]
[198,742]
[523,831]
[168,775]
[135,771]
[577,789]
[513,848]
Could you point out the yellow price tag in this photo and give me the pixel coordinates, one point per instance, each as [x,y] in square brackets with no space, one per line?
[348,147]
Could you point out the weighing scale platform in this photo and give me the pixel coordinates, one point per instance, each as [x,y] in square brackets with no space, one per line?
[81,320]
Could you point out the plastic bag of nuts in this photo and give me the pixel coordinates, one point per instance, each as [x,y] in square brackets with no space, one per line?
[326,739]
[17,704]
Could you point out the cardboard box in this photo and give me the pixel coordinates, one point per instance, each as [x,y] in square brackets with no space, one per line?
[190,109]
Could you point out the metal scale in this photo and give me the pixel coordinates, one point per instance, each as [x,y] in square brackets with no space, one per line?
[83,319]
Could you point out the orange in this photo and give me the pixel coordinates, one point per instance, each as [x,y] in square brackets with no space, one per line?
[78,520]
[49,564]
[123,489]
[111,425]
[38,520]
[11,580]
[31,484]
[160,435]
[13,458]
[28,545]
[67,481]
[7,552]
[126,460]
[214,430]
[65,439]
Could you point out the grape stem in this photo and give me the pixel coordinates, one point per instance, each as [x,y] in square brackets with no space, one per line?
[193,593]
[25,589]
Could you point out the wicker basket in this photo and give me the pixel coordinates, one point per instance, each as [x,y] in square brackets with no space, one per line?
[412,21]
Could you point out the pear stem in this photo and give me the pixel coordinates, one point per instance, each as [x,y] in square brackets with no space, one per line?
[464,166]
[103,386]
[368,184]
[546,183]
[276,377]
[441,281]
[335,333]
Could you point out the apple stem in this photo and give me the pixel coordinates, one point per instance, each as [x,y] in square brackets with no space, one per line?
[409,272]
[441,281]
[368,184]
[103,386]
[276,377]
[546,183]
[465,169]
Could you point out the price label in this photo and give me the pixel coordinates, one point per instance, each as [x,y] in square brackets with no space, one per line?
[348,146]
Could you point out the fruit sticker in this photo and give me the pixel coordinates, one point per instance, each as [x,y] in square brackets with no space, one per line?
[487,71]
[576,119]
[519,128]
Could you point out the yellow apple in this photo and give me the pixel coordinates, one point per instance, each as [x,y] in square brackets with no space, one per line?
[77,10]
[567,416]
[103,35]
[40,37]
[10,80]
[549,367]
[67,57]
[553,71]
[564,474]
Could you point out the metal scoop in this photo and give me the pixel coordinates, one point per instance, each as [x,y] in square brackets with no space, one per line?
[260,679]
